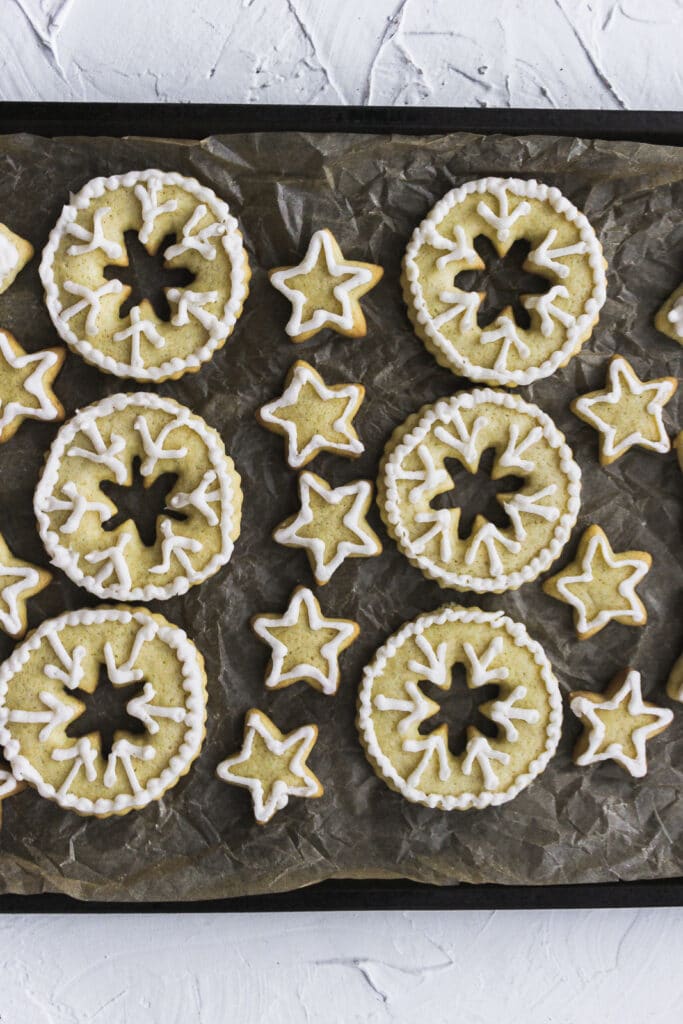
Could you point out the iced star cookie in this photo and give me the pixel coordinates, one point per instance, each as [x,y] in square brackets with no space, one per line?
[394,709]
[331,524]
[669,318]
[627,412]
[272,765]
[600,585]
[527,445]
[617,724]
[19,581]
[15,252]
[84,296]
[325,290]
[564,249]
[26,381]
[305,644]
[674,686]
[50,685]
[91,462]
[314,417]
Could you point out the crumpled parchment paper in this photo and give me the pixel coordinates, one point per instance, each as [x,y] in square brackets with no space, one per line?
[201,841]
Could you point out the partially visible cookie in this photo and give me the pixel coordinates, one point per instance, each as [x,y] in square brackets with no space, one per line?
[617,724]
[627,411]
[600,585]
[669,318]
[19,581]
[331,524]
[679,449]
[9,786]
[325,289]
[305,644]
[272,765]
[26,380]
[314,417]
[15,252]
[674,686]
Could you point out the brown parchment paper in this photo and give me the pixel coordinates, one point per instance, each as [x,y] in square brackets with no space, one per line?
[201,841]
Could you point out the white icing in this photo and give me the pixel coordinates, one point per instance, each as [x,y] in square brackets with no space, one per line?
[626,588]
[93,240]
[590,254]
[125,673]
[548,310]
[33,385]
[295,746]
[71,673]
[90,299]
[77,506]
[327,680]
[488,535]
[546,258]
[435,668]
[228,238]
[175,545]
[366,544]
[675,316]
[503,711]
[83,755]
[200,498]
[431,478]
[628,697]
[622,379]
[142,708]
[529,505]
[123,752]
[199,242]
[437,420]
[154,447]
[115,564]
[439,526]
[428,747]
[8,784]
[480,752]
[136,331]
[305,376]
[26,577]
[191,304]
[461,304]
[511,632]
[479,671]
[457,250]
[57,714]
[225,491]
[9,257]
[321,241]
[504,329]
[150,208]
[418,708]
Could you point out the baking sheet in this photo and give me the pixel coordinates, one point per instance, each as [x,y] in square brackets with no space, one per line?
[200,842]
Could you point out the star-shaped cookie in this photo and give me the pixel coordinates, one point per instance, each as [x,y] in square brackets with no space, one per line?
[9,786]
[272,765]
[314,417]
[617,724]
[601,585]
[331,524]
[627,412]
[19,581]
[305,644]
[324,290]
[26,385]
[15,252]
[669,318]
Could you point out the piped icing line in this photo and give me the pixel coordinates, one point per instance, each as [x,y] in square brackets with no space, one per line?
[366,544]
[9,257]
[223,231]
[623,381]
[293,748]
[421,709]
[628,696]
[221,502]
[269,627]
[36,385]
[544,257]
[447,415]
[82,754]
[19,581]
[301,376]
[94,239]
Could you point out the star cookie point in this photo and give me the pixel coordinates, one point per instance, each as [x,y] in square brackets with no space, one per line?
[313,416]
[669,318]
[19,581]
[627,411]
[305,644]
[325,289]
[617,724]
[600,584]
[272,765]
[26,380]
[15,253]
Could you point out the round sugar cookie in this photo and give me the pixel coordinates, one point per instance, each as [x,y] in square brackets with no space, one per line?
[525,713]
[85,303]
[44,687]
[540,514]
[563,248]
[95,453]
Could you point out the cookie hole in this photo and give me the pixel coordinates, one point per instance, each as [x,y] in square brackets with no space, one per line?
[503,280]
[475,493]
[459,709]
[105,711]
[143,505]
[147,276]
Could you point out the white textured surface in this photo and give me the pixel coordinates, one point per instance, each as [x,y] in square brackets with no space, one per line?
[615,967]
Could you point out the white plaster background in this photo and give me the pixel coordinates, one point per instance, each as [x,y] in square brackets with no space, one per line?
[560,967]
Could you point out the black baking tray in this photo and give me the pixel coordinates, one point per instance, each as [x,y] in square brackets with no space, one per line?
[192,121]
